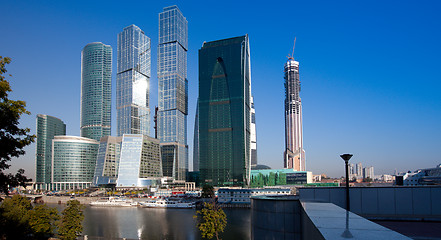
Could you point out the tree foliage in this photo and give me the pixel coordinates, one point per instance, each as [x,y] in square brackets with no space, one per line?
[207,191]
[71,221]
[212,220]
[20,220]
[12,138]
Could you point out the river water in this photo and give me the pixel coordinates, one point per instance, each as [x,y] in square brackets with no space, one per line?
[153,223]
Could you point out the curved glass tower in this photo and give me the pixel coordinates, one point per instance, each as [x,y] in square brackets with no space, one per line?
[73,162]
[294,156]
[132,82]
[224,109]
[96,90]
[173,92]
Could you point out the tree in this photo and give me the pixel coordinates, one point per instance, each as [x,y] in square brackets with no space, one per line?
[207,191]
[12,138]
[20,220]
[43,220]
[212,220]
[71,221]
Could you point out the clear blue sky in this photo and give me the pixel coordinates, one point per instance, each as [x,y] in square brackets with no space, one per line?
[370,70]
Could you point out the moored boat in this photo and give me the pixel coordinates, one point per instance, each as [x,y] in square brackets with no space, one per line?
[114,202]
[167,203]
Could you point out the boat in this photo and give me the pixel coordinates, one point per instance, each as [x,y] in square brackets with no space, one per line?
[166,203]
[114,202]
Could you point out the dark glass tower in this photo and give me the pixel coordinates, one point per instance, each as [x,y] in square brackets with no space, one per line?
[224,112]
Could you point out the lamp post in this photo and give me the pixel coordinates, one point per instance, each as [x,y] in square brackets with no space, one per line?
[346,158]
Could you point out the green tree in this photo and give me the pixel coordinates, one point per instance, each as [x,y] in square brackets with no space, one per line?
[207,191]
[71,221]
[14,221]
[43,221]
[212,220]
[19,220]
[12,138]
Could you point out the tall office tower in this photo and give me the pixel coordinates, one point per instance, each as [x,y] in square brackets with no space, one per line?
[368,172]
[294,156]
[47,128]
[132,82]
[173,92]
[359,169]
[140,164]
[73,162]
[253,134]
[225,112]
[96,90]
[107,161]
[196,141]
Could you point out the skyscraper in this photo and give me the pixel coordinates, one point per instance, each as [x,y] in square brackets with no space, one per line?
[96,90]
[173,92]
[132,82]
[253,135]
[224,109]
[294,156]
[47,128]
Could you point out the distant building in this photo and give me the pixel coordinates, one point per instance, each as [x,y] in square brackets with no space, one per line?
[96,90]
[294,156]
[132,82]
[368,172]
[274,177]
[173,92]
[140,162]
[73,162]
[359,169]
[224,109]
[427,176]
[107,163]
[47,128]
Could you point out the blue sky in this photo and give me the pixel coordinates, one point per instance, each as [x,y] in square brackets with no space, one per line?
[369,70]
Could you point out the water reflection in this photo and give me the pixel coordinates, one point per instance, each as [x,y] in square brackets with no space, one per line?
[150,223]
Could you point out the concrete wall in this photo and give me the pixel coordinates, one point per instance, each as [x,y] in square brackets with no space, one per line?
[417,202]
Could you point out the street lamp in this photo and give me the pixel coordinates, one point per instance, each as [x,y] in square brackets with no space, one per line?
[346,158]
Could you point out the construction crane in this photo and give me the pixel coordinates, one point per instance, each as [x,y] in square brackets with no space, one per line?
[292,56]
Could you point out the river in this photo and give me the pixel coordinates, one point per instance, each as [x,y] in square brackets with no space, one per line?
[151,223]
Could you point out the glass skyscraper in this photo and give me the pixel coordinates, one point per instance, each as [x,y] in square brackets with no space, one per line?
[132,82]
[173,92]
[73,162]
[47,128]
[224,109]
[96,90]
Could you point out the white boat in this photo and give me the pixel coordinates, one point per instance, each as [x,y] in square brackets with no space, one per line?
[167,203]
[114,202]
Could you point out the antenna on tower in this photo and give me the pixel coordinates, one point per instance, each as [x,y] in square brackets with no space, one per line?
[292,56]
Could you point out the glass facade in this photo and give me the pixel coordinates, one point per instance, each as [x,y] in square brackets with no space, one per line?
[224,112]
[73,162]
[140,161]
[173,90]
[132,82]
[47,128]
[107,163]
[96,90]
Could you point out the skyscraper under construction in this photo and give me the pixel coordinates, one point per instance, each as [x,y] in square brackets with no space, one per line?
[294,156]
